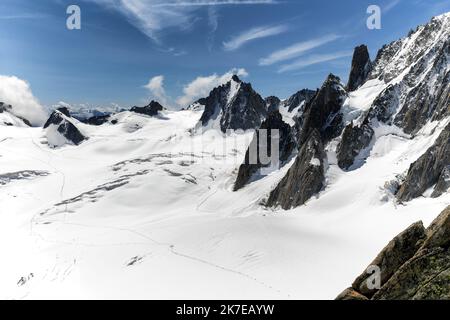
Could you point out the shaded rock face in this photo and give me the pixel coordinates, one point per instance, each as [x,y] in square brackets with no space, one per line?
[64,110]
[415,265]
[272,103]
[355,139]
[302,96]
[236,105]
[384,106]
[286,147]
[361,68]
[428,169]
[323,113]
[305,178]
[443,184]
[150,110]
[65,127]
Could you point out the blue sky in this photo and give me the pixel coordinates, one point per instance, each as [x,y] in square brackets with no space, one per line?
[129,51]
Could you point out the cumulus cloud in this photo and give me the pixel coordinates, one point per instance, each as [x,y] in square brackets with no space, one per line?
[255,33]
[156,87]
[297,49]
[153,16]
[17,92]
[201,86]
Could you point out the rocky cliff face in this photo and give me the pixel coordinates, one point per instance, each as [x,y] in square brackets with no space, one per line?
[234,105]
[414,265]
[415,62]
[320,122]
[361,68]
[286,146]
[305,178]
[62,129]
[355,139]
[323,113]
[429,170]
[303,96]
[416,70]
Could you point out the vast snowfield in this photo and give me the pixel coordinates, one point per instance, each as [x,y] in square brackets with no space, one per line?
[145,210]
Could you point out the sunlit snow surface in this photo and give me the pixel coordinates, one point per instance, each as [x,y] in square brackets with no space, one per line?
[144,209]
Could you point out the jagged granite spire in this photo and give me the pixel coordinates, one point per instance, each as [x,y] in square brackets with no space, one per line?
[361,68]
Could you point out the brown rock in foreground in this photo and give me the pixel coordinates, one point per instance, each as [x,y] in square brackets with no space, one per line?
[415,265]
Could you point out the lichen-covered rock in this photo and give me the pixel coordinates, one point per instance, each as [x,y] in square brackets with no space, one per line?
[361,68]
[286,147]
[427,170]
[354,140]
[392,257]
[351,294]
[424,275]
[305,178]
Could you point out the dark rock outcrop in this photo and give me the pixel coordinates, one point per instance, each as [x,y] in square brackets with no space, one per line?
[302,96]
[286,147]
[427,170]
[361,68]
[65,111]
[272,103]
[323,113]
[305,178]
[97,120]
[414,266]
[237,105]
[151,109]
[65,127]
[354,140]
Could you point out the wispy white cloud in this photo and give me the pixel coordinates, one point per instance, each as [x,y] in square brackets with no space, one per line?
[255,33]
[391,5]
[153,16]
[23,16]
[201,86]
[156,88]
[297,49]
[213,22]
[313,59]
